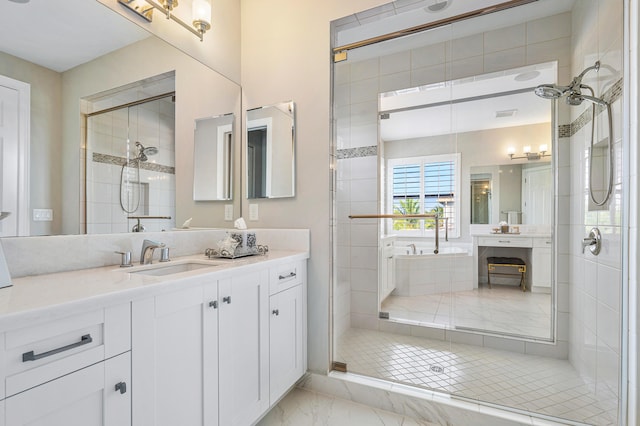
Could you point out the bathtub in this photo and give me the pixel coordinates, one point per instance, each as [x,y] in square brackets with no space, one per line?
[425,273]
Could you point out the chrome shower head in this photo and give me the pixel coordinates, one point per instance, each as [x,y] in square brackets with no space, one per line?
[143,151]
[550,91]
[576,98]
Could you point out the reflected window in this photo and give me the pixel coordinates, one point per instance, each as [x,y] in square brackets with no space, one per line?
[428,185]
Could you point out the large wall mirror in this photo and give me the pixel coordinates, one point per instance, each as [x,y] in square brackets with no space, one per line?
[112,122]
[270,151]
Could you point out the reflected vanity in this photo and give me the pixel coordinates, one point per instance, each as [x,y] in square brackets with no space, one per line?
[270,151]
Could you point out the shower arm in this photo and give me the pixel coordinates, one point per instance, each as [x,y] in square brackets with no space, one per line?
[411,216]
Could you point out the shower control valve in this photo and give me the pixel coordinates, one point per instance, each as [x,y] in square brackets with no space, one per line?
[593,241]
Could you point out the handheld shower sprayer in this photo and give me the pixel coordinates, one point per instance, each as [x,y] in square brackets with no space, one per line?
[574,96]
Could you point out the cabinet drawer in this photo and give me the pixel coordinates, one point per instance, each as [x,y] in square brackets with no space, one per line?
[505,242]
[286,276]
[45,351]
[542,242]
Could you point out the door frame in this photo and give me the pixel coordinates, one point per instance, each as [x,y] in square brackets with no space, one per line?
[24,137]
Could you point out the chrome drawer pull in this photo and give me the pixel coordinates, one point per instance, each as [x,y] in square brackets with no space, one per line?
[121,387]
[284,277]
[227,300]
[31,356]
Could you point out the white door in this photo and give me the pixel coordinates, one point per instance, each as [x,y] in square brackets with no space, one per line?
[87,397]
[14,142]
[537,196]
[243,320]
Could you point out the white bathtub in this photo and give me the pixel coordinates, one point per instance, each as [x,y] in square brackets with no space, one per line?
[426,273]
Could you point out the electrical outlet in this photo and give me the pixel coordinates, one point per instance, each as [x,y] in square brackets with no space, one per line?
[228,212]
[42,215]
[253,212]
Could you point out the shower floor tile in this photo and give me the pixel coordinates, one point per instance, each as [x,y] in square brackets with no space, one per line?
[502,309]
[527,382]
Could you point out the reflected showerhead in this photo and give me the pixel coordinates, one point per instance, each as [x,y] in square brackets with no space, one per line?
[577,98]
[143,151]
[550,91]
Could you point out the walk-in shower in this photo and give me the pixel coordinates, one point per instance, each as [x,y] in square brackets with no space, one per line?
[573,96]
[420,118]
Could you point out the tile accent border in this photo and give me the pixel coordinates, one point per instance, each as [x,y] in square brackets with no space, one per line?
[120,161]
[363,151]
[611,95]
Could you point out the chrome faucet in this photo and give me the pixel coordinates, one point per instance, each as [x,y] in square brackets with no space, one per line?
[413,248]
[146,255]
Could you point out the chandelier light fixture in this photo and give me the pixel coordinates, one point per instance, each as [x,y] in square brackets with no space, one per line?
[200,13]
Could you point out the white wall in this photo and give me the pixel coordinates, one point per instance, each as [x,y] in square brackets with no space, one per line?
[286,56]
[596,282]
[220,48]
[46,138]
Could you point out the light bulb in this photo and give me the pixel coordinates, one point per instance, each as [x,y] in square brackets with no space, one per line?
[511,150]
[543,148]
[201,13]
[527,149]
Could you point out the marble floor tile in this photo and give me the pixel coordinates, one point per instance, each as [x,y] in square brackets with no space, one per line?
[306,408]
[530,383]
[501,309]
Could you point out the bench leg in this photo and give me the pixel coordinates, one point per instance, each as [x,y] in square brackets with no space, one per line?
[522,283]
[489,276]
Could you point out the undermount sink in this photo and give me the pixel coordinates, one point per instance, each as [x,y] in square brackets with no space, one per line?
[176,268]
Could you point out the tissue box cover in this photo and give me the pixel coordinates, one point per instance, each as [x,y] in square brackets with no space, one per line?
[246,242]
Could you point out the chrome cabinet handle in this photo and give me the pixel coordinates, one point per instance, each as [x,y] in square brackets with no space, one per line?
[121,387]
[31,356]
[276,312]
[284,277]
[226,299]
[213,304]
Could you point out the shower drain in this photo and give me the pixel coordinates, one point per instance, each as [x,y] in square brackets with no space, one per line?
[436,369]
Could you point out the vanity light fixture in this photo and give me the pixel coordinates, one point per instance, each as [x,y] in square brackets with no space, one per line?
[200,13]
[542,152]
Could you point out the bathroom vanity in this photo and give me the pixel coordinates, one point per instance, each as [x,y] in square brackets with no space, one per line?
[216,345]
[534,248]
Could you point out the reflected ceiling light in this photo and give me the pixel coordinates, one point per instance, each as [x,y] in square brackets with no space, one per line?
[542,152]
[200,13]
[438,5]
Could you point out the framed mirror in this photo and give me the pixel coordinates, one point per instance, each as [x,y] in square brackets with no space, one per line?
[213,158]
[270,151]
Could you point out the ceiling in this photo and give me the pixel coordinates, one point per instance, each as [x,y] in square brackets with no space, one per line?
[48,41]
[489,101]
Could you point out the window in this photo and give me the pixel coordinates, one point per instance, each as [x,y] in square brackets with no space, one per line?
[424,185]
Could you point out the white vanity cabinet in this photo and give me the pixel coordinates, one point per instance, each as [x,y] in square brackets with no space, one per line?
[287,328]
[541,259]
[215,353]
[70,371]
[175,357]
[244,347]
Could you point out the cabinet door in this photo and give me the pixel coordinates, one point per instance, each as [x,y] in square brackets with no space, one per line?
[286,345]
[172,337]
[86,397]
[541,268]
[244,348]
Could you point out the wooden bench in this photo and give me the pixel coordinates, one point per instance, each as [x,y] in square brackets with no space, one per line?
[512,262]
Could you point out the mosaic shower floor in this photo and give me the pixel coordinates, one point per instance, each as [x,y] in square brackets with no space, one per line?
[526,382]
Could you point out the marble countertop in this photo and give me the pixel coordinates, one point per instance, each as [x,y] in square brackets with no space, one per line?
[520,235]
[49,296]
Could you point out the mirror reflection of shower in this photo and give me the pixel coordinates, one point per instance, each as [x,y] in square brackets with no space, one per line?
[573,96]
[130,176]
[130,157]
